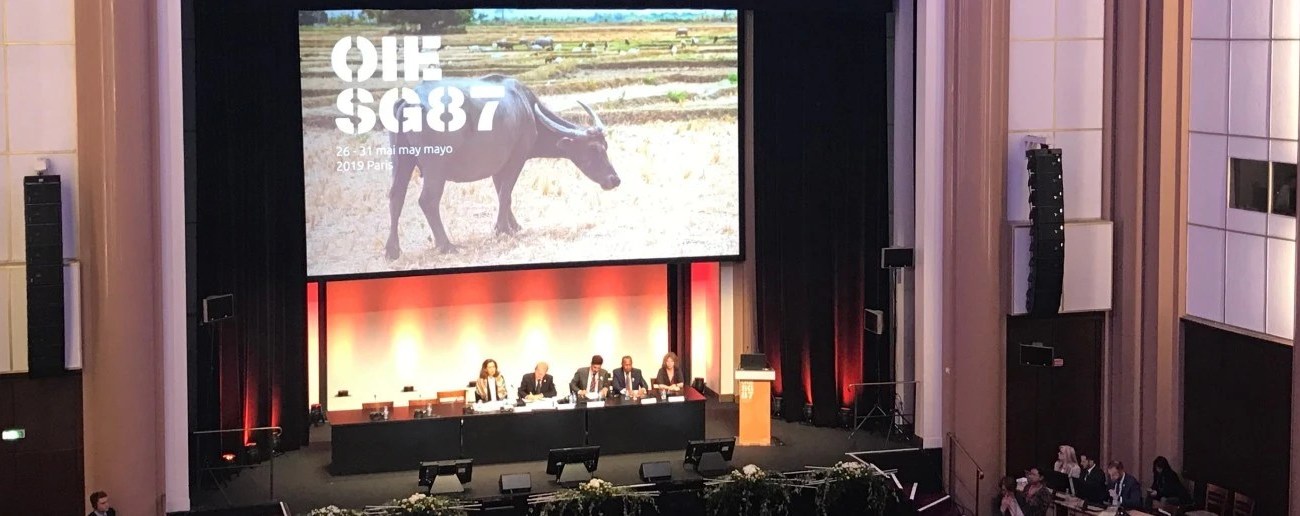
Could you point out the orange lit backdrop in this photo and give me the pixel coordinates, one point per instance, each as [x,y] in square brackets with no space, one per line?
[433,332]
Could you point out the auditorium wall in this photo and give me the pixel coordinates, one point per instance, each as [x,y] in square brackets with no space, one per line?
[1056,91]
[44,472]
[38,97]
[1236,430]
[1241,260]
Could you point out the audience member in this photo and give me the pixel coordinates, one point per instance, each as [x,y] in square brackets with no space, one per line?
[1037,497]
[1092,485]
[1167,490]
[1006,502]
[1067,461]
[1125,491]
[99,505]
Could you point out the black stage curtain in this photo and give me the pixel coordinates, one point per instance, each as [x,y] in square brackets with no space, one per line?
[245,220]
[821,188]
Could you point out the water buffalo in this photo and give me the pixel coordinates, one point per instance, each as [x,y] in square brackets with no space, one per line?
[523,129]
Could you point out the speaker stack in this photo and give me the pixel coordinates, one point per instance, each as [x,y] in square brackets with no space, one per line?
[43,218]
[1046,231]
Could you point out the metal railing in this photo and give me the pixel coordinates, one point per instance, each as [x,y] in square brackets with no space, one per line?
[954,445]
[202,467]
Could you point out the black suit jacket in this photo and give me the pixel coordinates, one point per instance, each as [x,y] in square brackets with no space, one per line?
[580,377]
[620,380]
[1091,485]
[111,512]
[1130,493]
[528,386]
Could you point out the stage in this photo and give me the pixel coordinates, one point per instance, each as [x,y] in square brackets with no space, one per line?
[302,477]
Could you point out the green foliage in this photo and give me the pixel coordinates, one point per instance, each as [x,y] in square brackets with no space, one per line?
[596,497]
[652,80]
[853,484]
[749,492]
[678,96]
[733,78]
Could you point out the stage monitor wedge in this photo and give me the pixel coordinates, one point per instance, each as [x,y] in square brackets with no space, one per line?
[562,462]
[710,456]
[446,476]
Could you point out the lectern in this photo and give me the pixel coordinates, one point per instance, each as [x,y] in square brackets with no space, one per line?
[755,406]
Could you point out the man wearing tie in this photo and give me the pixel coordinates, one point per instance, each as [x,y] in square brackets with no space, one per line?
[628,380]
[591,382]
[537,384]
[1092,481]
[1125,491]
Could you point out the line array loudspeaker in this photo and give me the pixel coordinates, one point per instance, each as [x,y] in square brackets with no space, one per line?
[43,224]
[1046,231]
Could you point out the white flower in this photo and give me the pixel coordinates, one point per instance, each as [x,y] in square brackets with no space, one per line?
[415,497]
[852,465]
[750,470]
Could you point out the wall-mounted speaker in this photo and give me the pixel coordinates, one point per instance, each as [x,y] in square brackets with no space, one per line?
[896,257]
[43,229]
[875,322]
[1046,231]
[216,308]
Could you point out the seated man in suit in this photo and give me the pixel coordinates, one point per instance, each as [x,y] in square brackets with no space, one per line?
[99,505]
[537,384]
[1091,485]
[628,380]
[1125,491]
[591,382]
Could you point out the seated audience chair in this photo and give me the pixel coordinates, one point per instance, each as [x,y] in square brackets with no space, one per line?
[1242,505]
[1216,501]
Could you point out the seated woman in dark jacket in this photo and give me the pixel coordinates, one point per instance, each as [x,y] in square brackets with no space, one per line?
[1167,490]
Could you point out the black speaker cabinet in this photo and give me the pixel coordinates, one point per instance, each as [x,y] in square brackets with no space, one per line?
[659,471]
[43,224]
[1046,231]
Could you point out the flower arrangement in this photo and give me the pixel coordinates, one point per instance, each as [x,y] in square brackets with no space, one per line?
[748,491]
[418,504]
[595,496]
[335,511]
[853,488]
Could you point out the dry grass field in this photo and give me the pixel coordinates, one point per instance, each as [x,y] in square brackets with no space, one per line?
[670,106]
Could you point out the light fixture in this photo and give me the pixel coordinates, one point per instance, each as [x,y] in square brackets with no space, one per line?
[13,434]
[408,388]
[228,457]
[342,394]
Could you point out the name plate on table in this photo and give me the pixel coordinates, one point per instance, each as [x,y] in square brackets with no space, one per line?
[649,401]
[595,404]
[523,409]
[565,406]
[674,399]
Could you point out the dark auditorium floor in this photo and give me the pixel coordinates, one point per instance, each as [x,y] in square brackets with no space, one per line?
[301,479]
